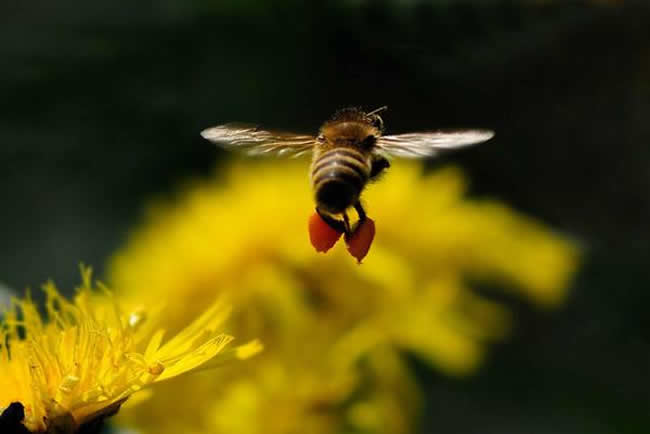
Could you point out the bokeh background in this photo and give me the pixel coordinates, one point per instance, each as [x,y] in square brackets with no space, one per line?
[101,104]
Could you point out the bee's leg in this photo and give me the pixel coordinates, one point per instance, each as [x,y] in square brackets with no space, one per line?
[337,225]
[359,224]
[361,212]
[346,223]
[378,166]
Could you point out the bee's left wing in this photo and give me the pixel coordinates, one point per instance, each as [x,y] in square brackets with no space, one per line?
[429,143]
[255,141]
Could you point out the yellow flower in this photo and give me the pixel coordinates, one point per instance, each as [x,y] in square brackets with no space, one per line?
[90,356]
[334,329]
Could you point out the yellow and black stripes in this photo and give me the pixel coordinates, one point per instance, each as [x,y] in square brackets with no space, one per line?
[338,176]
[345,163]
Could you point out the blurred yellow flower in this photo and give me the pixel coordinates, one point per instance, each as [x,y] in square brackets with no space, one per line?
[82,364]
[334,329]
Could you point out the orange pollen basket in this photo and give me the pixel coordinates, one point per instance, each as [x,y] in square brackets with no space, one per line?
[361,239]
[323,236]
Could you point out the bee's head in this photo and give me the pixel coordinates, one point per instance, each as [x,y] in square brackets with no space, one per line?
[354,126]
[376,120]
[354,114]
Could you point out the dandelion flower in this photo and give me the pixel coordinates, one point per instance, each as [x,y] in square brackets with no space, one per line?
[335,330]
[78,367]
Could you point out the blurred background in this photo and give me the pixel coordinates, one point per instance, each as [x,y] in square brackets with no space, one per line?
[101,105]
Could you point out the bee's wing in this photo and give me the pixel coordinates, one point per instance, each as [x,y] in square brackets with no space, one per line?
[254,141]
[429,143]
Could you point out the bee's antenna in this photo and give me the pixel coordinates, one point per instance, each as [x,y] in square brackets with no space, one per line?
[378,110]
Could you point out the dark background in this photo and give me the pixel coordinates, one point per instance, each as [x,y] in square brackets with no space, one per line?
[101,103]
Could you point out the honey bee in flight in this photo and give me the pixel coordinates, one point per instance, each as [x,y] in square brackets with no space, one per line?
[349,151]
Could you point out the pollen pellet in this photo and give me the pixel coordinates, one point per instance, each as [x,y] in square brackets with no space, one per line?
[322,236]
[359,242]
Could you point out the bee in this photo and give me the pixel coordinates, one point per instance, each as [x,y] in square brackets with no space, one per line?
[349,151]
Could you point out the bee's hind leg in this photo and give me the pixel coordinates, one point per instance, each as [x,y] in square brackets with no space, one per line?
[337,225]
[363,233]
[362,218]
[361,212]
[346,223]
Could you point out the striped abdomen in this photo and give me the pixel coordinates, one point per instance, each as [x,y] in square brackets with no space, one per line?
[338,176]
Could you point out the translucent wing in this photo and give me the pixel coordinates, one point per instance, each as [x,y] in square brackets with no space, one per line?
[254,141]
[429,143]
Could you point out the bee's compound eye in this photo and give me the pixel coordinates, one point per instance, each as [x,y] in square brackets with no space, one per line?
[378,122]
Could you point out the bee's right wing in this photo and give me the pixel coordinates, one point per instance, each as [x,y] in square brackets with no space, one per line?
[430,143]
[254,141]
